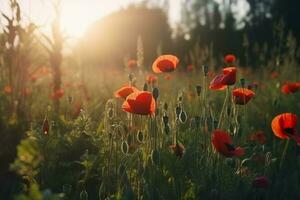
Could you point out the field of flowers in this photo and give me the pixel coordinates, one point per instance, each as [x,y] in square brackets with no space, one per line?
[206,129]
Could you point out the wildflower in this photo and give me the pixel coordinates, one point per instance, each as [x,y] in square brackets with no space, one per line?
[165,63]
[284,126]
[140,102]
[261,182]
[229,59]
[223,144]
[220,82]
[151,79]
[57,94]
[178,149]
[289,88]
[7,89]
[123,92]
[242,96]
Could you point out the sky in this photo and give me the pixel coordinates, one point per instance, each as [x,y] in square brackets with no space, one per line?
[78,15]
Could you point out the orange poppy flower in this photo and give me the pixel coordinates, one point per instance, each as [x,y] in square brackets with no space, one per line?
[222,142]
[59,93]
[141,102]
[259,137]
[289,88]
[165,63]
[242,96]
[178,149]
[132,64]
[230,58]
[151,79]
[284,126]
[220,82]
[124,91]
[7,89]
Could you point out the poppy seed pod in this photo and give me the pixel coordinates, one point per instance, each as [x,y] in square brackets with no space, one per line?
[205,69]
[130,77]
[124,147]
[140,136]
[183,117]
[165,106]
[155,93]
[198,89]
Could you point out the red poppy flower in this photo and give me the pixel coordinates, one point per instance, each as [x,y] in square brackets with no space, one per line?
[59,93]
[230,58]
[242,96]
[123,92]
[261,182]
[259,137]
[178,149]
[284,126]
[223,144]
[289,88]
[151,79]
[165,63]
[220,82]
[7,89]
[132,64]
[141,102]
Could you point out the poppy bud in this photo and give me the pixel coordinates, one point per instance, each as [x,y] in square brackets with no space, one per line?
[155,93]
[124,147]
[110,113]
[129,139]
[180,98]
[145,87]
[243,82]
[130,76]
[205,69]
[165,119]
[198,89]
[46,126]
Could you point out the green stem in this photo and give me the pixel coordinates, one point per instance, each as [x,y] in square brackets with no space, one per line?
[223,108]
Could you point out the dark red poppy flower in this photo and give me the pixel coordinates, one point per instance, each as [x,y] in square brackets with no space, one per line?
[274,74]
[132,64]
[151,79]
[7,89]
[284,126]
[220,82]
[165,63]
[124,91]
[178,149]
[222,142]
[141,102]
[57,94]
[242,96]
[259,137]
[229,59]
[261,182]
[289,88]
